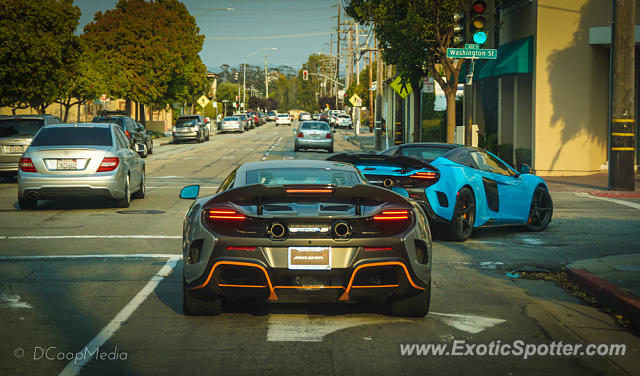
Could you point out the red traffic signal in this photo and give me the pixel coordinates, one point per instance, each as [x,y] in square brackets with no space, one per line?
[305,75]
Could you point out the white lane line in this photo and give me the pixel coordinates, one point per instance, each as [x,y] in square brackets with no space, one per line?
[167,256]
[13,301]
[614,200]
[304,328]
[529,240]
[74,367]
[32,237]
[467,323]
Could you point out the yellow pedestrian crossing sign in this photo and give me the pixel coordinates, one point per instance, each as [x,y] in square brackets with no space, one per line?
[355,100]
[203,101]
[402,86]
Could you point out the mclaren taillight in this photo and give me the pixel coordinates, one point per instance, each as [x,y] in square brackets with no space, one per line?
[377,249]
[225,214]
[309,190]
[241,248]
[392,215]
[300,135]
[109,164]
[26,165]
[425,175]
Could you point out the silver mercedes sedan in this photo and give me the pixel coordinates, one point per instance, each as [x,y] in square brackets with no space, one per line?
[80,160]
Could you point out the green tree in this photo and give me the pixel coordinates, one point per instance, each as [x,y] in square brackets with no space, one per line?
[39,51]
[414,36]
[150,50]
[85,83]
[227,91]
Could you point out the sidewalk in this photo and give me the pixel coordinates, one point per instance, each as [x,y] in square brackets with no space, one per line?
[614,280]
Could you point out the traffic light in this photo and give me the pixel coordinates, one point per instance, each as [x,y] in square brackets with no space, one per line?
[458,29]
[480,21]
[235,76]
[305,75]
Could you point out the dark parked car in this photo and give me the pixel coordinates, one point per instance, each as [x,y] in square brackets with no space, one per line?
[136,133]
[16,133]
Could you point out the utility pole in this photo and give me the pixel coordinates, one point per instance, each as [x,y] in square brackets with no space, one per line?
[338,57]
[358,52]
[349,69]
[379,83]
[622,128]
[371,125]
[266,78]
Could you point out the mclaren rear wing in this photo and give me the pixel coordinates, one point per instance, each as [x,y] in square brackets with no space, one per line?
[405,163]
[360,194]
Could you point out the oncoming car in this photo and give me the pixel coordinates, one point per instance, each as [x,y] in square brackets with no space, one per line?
[283,119]
[461,188]
[80,160]
[300,230]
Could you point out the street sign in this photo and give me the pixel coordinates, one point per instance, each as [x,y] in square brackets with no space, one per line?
[428,85]
[401,86]
[355,100]
[203,101]
[472,46]
[472,53]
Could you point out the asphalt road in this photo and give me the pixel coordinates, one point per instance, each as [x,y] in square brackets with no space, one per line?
[90,289]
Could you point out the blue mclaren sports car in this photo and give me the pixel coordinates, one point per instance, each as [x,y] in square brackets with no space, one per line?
[460,187]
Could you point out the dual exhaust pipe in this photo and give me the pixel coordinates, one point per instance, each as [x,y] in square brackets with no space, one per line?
[279,231]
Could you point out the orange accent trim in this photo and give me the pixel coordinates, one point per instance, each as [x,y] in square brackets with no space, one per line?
[308,287]
[345,296]
[227,285]
[272,292]
[372,286]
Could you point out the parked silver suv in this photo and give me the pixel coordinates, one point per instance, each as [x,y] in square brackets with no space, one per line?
[16,133]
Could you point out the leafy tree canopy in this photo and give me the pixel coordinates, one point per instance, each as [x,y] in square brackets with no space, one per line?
[414,36]
[38,52]
[150,51]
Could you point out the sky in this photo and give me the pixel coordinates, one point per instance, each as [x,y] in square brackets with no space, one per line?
[297,28]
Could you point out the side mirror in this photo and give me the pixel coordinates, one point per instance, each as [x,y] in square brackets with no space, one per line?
[334,131]
[190,192]
[525,169]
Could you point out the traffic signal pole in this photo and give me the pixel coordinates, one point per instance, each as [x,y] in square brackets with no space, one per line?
[622,126]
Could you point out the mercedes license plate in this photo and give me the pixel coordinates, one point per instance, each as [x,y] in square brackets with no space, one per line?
[309,258]
[15,149]
[67,164]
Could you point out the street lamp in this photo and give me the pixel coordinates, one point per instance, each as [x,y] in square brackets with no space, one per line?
[244,79]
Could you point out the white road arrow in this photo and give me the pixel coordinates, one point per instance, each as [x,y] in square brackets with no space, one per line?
[467,323]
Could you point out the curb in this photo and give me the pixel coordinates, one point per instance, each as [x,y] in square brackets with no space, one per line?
[610,294]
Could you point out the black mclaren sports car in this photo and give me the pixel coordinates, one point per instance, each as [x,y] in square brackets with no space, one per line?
[300,231]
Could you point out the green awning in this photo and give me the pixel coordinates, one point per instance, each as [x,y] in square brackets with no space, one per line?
[513,58]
